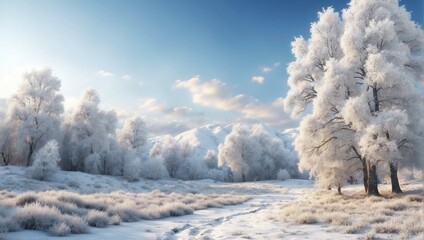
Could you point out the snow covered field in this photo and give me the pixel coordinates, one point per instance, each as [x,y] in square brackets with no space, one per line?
[260,217]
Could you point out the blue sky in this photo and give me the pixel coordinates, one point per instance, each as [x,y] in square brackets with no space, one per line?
[133,53]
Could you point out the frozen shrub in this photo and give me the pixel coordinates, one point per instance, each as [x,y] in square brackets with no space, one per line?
[115,220]
[177,209]
[369,235]
[132,169]
[45,163]
[127,212]
[34,216]
[8,225]
[97,219]
[283,174]
[77,224]
[153,169]
[305,218]
[60,229]
[72,198]
[64,207]
[26,198]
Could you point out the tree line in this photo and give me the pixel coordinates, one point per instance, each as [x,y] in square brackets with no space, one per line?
[37,132]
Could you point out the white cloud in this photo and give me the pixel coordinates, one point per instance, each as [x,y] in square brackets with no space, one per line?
[152,105]
[258,79]
[215,94]
[266,69]
[103,73]
[155,106]
[140,83]
[276,65]
[126,77]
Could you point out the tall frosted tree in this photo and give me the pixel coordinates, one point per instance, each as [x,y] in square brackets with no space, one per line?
[365,97]
[133,134]
[383,54]
[316,79]
[36,111]
[307,71]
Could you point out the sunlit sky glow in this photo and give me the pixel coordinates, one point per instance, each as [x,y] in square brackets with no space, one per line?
[179,64]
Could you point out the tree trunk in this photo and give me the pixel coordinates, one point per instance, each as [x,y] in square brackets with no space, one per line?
[5,159]
[394,179]
[365,172]
[31,150]
[372,181]
[339,190]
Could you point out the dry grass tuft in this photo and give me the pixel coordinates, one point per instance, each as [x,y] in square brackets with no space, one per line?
[62,213]
[355,213]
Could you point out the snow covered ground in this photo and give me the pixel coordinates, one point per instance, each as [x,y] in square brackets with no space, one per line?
[257,218]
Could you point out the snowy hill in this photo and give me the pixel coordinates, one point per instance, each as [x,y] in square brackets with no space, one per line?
[210,136]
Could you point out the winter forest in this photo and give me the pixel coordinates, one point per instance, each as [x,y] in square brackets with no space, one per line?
[353,168]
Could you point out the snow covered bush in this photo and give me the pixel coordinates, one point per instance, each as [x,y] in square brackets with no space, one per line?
[60,229]
[97,218]
[35,216]
[45,161]
[153,169]
[132,167]
[283,175]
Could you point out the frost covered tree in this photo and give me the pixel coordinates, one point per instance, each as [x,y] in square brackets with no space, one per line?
[45,161]
[238,152]
[133,134]
[171,154]
[252,154]
[36,110]
[364,99]
[7,142]
[307,71]
[90,137]
[211,159]
[325,141]
[383,56]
